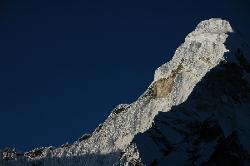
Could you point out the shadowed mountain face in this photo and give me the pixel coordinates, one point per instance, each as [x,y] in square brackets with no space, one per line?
[195,112]
[210,128]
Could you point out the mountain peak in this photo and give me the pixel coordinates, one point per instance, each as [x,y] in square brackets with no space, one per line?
[114,142]
[214,25]
[202,50]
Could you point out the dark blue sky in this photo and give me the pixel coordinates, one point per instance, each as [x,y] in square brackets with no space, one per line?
[64,65]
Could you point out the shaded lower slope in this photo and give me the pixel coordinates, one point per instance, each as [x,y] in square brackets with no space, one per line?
[210,128]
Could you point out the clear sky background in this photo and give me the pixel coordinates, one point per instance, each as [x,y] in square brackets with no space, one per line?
[65,64]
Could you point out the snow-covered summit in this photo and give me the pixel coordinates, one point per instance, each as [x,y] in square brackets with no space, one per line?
[117,141]
[202,50]
[200,45]
[213,25]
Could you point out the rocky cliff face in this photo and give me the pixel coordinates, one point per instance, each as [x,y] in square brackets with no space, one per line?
[195,112]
